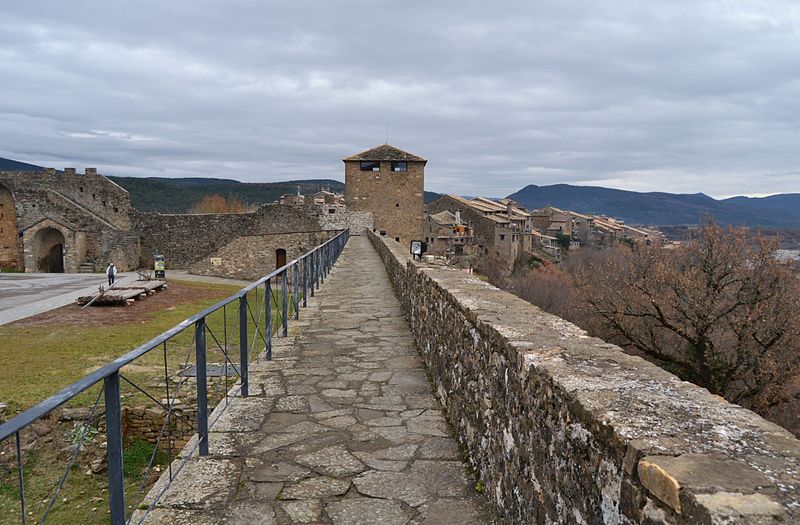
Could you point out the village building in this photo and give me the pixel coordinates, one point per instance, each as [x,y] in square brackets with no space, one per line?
[448,235]
[388,183]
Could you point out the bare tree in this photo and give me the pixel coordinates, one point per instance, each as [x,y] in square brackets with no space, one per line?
[214,203]
[720,311]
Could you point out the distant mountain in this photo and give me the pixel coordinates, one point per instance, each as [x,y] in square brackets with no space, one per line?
[13,165]
[168,195]
[786,202]
[655,208]
[431,196]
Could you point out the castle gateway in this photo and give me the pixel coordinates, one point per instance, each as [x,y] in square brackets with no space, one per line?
[389,183]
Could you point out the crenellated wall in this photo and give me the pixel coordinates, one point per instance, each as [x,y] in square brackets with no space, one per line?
[564,428]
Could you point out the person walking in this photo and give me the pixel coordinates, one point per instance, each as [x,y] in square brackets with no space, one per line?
[111,272]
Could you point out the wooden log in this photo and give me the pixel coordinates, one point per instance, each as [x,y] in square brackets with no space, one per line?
[133,291]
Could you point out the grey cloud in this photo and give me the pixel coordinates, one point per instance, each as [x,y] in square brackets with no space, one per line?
[670,96]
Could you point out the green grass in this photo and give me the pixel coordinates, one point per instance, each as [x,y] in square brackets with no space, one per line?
[36,362]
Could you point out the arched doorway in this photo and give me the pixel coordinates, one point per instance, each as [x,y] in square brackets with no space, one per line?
[49,250]
[280,258]
[9,248]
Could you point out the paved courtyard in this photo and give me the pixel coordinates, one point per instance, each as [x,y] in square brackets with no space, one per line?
[26,294]
[342,427]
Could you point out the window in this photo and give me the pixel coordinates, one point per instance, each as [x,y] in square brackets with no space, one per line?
[502,237]
[332,210]
[397,205]
[399,166]
[370,166]
[397,239]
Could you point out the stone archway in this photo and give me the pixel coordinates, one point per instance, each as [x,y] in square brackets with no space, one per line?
[49,250]
[9,247]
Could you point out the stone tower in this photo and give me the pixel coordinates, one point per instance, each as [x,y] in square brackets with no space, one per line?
[389,183]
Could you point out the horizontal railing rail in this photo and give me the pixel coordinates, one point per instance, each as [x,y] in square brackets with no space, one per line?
[297,280]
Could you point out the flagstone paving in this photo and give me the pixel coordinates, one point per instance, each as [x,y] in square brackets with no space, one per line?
[341,427]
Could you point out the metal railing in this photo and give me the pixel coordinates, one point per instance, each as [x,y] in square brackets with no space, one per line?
[256,303]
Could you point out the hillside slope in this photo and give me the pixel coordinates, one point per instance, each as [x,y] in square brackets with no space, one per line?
[14,165]
[786,202]
[179,195]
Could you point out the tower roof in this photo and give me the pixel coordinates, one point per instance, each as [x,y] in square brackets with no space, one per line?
[385,152]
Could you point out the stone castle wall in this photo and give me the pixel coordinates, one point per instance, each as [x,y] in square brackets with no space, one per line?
[338,217]
[395,199]
[564,428]
[91,219]
[87,213]
[185,238]
[241,245]
[251,257]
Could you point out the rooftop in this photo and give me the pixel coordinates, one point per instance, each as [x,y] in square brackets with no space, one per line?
[385,152]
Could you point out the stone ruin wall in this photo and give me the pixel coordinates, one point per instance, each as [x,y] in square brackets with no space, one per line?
[90,212]
[241,245]
[561,427]
[251,257]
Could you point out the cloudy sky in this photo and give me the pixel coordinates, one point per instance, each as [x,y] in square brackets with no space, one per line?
[675,95]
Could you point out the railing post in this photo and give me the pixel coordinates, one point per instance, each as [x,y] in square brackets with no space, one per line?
[243,364]
[268,334]
[116,478]
[312,275]
[202,391]
[322,265]
[285,316]
[296,282]
[305,282]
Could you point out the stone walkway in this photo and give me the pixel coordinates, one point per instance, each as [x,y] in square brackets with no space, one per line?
[342,429]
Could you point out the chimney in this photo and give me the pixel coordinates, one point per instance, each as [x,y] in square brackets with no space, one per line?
[50,171]
[458,216]
[69,171]
[509,208]
[90,171]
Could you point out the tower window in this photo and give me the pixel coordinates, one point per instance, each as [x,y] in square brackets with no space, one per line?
[370,166]
[399,166]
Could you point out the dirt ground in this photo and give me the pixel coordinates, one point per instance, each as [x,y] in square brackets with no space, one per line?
[73,315]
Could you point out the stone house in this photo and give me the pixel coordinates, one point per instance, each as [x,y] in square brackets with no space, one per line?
[447,234]
[388,183]
[499,229]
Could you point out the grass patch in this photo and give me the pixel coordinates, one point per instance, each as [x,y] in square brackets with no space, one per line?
[136,458]
[38,361]
[40,358]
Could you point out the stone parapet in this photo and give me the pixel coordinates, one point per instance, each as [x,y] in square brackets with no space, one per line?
[562,427]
